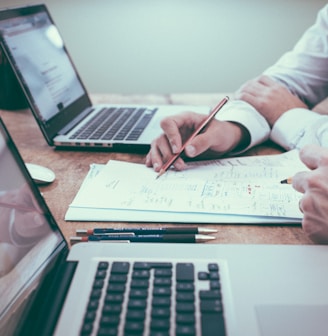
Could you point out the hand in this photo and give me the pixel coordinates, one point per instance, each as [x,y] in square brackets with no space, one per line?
[218,138]
[314,186]
[268,97]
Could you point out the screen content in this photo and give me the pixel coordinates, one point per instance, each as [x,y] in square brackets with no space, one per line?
[38,52]
[27,239]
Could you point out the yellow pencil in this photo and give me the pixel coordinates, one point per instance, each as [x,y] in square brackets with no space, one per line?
[288,180]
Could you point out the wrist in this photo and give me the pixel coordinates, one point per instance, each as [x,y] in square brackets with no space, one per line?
[240,137]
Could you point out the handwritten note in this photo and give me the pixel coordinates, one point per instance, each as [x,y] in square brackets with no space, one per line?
[245,186]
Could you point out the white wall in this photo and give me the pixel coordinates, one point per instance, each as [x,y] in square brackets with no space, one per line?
[163,46]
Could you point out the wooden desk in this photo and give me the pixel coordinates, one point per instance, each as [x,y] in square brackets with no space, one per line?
[71,167]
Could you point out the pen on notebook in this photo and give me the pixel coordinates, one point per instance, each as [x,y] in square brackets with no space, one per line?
[146,231]
[198,130]
[176,238]
[288,180]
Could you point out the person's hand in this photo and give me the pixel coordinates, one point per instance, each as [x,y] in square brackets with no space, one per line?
[219,137]
[268,97]
[314,186]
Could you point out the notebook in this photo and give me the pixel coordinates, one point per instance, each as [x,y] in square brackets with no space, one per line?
[58,98]
[47,288]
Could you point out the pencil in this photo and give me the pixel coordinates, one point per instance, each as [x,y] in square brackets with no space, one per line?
[288,180]
[198,130]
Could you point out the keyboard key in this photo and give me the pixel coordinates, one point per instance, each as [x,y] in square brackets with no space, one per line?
[162,282]
[186,307]
[137,304]
[185,318]
[209,294]
[134,327]
[141,274]
[117,278]
[162,324]
[182,330]
[185,272]
[135,314]
[163,273]
[159,301]
[208,306]
[213,267]
[162,291]
[160,313]
[109,320]
[185,287]
[185,297]
[137,283]
[107,331]
[116,288]
[210,322]
[120,268]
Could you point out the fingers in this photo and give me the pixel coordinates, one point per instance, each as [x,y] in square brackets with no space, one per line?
[315,217]
[314,186]
[176,130]
[314,156]
[218,138]
[300,181]
[160,152]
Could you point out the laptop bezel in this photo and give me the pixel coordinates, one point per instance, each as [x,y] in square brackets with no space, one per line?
[45,278]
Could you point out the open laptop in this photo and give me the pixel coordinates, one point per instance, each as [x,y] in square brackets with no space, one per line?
[57,96]
[145,288]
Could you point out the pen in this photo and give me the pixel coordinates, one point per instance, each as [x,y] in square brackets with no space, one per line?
[146,231]
[176,238]
[198,130]
[288,180]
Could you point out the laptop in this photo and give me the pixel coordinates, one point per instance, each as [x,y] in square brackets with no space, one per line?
[47,288]
[58,98]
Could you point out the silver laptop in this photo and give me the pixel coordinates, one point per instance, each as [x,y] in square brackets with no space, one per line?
[145,288]
[57,97]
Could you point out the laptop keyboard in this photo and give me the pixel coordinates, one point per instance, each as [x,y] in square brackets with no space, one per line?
[162,298]
[125,123]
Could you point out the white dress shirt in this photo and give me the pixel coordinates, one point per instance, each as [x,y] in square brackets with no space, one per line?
[304,71]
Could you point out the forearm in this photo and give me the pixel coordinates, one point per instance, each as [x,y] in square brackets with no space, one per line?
[304,70]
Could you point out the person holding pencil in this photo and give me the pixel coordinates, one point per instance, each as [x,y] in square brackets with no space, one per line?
[277,105]
[314,186]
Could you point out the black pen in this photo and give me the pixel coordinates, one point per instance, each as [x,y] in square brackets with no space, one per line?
[146,231]
[154,238]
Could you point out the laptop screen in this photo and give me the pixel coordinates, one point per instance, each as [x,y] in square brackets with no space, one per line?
[37,48]
[29,237]
[34,48]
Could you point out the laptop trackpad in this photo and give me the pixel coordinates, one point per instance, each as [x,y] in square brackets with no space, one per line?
[287,320]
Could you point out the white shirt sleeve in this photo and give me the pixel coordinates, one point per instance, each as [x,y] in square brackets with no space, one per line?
[243,113]
[304,70]
[299,127]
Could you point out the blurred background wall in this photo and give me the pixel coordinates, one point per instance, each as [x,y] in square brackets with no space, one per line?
[164,46]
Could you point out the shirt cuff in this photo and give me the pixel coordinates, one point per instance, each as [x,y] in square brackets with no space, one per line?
[299,127]
[240,112]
